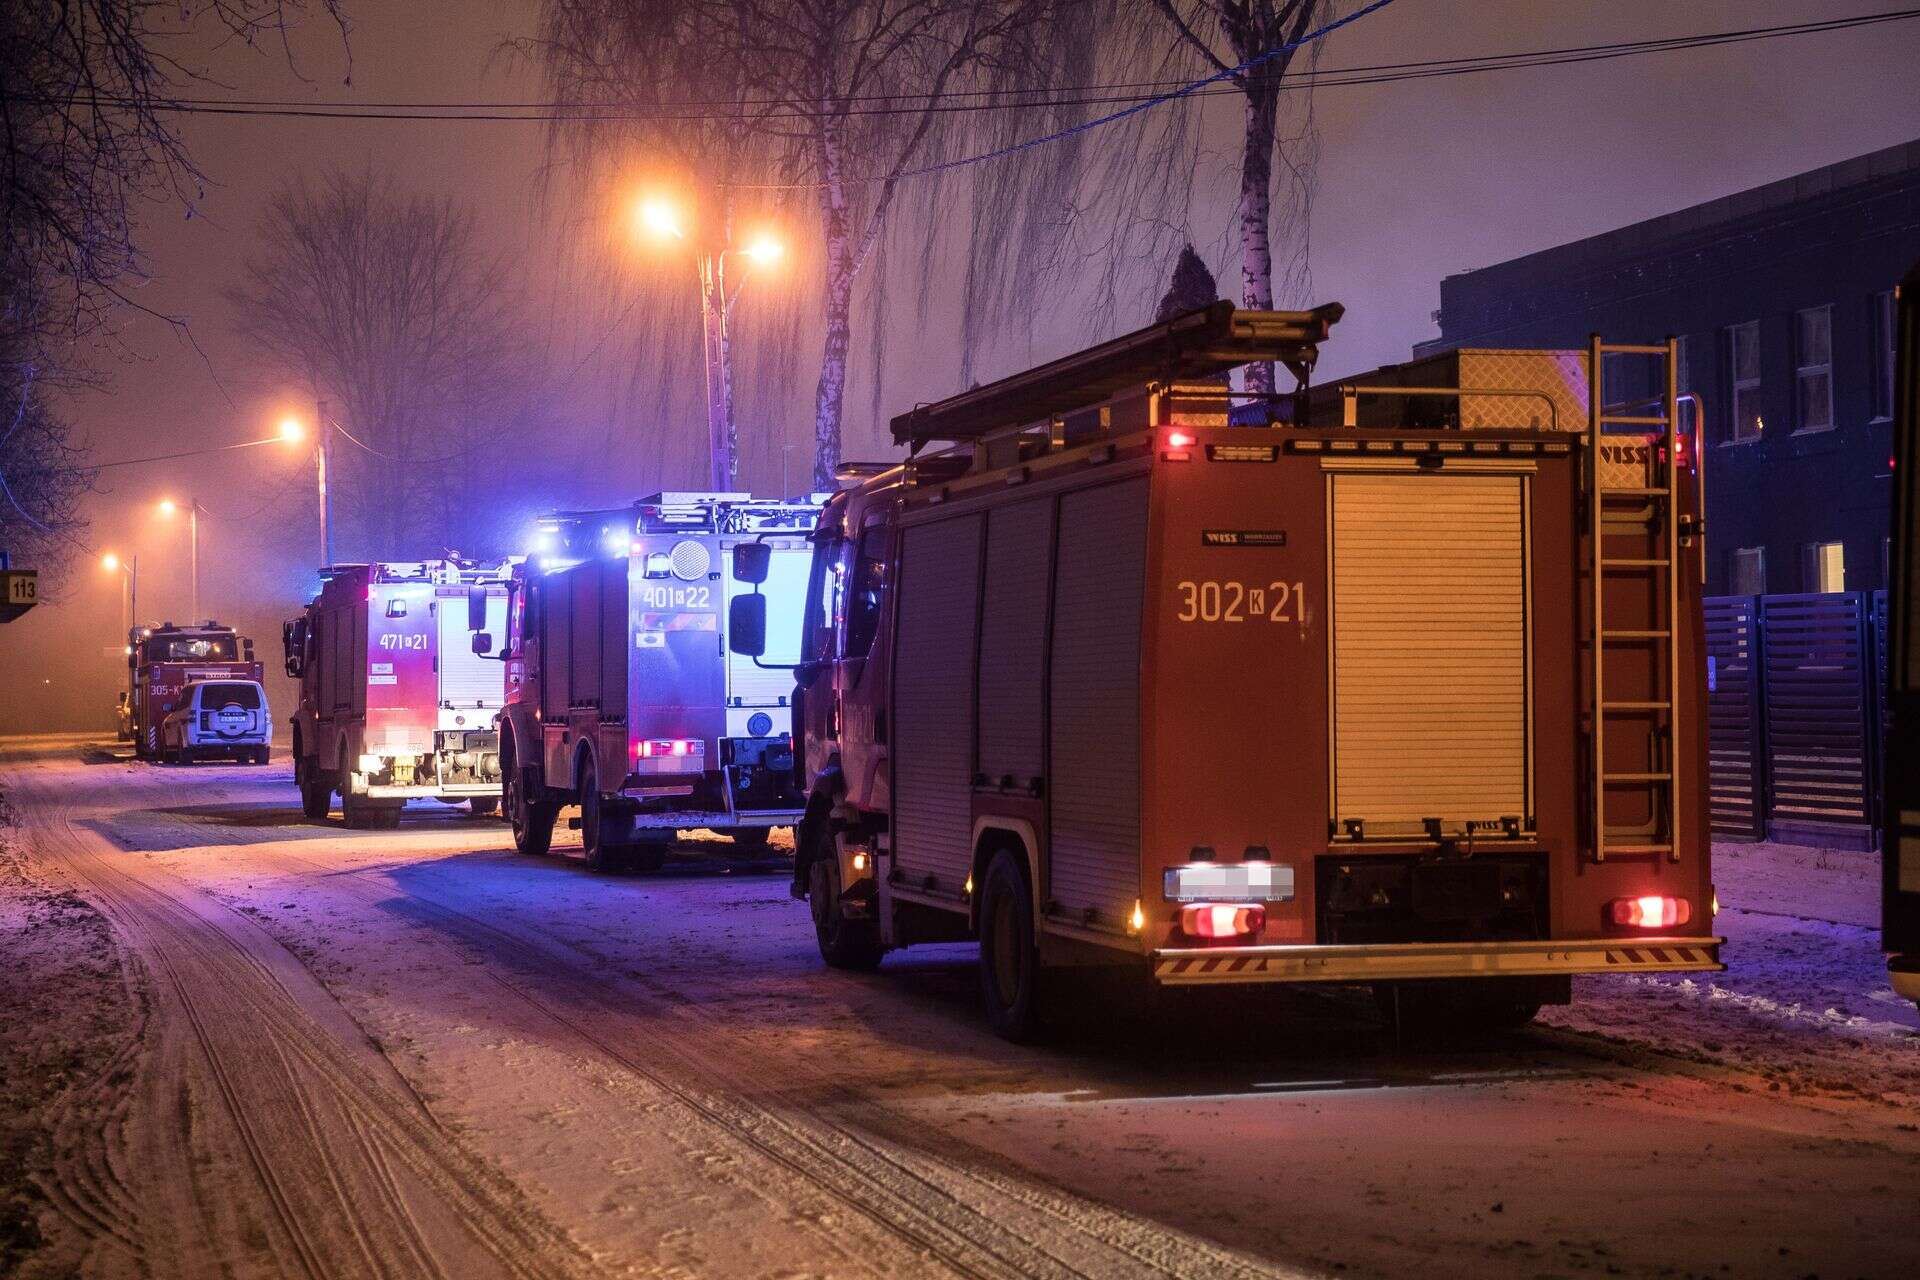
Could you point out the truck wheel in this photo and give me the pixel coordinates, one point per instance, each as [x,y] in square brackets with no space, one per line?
[1456,1008]
[483,805]
[750,837]
[370,815]
[601,855]
[649,852]
[844,943]
[316,794]
[530,819]
[1010,978]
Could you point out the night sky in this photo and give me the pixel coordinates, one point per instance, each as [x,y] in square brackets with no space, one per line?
[1417,180]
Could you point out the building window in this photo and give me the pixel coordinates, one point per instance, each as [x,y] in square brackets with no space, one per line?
[1749,571]
[1883,341]
[1743,367]
[1813,368]
[1826,566]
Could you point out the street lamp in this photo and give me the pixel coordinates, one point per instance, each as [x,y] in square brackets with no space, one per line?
[130,567]
[659,218]
[293,431]
[168,509]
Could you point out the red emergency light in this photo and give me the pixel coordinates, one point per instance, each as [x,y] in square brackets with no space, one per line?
[1221,920]
[1651,912]
[1178,444]
[658,748]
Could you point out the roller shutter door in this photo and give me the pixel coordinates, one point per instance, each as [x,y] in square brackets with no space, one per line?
[1094,730]
[1013,641]
[1430,654]
[933,704]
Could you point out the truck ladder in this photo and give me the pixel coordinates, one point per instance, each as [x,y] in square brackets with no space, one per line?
[1645,516]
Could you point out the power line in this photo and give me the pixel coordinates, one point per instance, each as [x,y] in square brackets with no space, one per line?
[1137,93]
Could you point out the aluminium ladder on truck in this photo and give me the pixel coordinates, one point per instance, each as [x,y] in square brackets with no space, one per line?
[1634,529]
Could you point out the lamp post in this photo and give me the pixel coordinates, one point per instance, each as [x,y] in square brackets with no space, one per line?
[168,508]
[660,219]
[130,568]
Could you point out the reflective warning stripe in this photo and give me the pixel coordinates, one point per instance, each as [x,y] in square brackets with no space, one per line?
[1429,960]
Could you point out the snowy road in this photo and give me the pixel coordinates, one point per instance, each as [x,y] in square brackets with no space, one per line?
[333,1053]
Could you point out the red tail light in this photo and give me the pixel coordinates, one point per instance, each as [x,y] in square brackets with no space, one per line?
[1221,920]
[1649,913]
[656,748]
[1180,439]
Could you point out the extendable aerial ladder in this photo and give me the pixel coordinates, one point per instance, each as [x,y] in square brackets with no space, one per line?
[1634,518]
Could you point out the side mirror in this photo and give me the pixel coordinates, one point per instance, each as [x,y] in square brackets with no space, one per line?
[747,622]
[477,610]
[246,649]
[482,643]
[750,562]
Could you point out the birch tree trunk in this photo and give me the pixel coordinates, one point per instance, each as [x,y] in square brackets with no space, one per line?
[1256,215]
[830,397]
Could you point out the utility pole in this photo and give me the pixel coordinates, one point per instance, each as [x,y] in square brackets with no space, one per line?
[323,429]
[193,554]
[713,332]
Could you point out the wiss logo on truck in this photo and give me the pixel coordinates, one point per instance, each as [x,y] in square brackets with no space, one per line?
[394,703]
[623,699]
[1397,686]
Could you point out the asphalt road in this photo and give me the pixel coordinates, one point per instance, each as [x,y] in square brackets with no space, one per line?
[416,1053]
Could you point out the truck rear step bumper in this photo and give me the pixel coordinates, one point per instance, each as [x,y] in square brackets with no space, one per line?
[460,790]
[1389,962]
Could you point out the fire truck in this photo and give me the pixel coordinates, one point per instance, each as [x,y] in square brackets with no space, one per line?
[394,703]
[162,659]
[1402,687]
[1900,855]
[622,696]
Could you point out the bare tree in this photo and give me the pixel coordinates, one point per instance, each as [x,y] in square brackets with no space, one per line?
[1227,35]
[386,305]
[85,138]
[840,101]
[664,80]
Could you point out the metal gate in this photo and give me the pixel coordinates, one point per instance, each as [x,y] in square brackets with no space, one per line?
[1736,745]
[1820,718]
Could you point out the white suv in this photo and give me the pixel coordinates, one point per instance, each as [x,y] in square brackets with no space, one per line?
[218,718]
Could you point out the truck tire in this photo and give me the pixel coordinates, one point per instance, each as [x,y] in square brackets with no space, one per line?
[1460,1008]
[363,814]
[1010,977]
[483,805]
[601,855]
[844,943]
[530,820]
[316,792]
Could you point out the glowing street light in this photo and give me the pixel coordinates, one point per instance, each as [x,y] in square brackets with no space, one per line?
[660,218]
[765,250]
[292,430]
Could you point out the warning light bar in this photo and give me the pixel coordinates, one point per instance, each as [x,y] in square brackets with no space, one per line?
[661,748]
[1649,913]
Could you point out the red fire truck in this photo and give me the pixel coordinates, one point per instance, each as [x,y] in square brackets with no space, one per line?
[1404,689]
[162,659]
[622,697]
[394,703]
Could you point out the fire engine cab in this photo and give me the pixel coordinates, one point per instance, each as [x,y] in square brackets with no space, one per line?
[1395,682]
[623,699]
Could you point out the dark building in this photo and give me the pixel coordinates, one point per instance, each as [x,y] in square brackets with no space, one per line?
[1782,298]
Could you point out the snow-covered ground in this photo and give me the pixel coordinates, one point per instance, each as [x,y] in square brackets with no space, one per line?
[240,1044]
[1804,1003]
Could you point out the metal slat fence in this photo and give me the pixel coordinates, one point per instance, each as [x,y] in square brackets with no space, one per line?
[1796,707]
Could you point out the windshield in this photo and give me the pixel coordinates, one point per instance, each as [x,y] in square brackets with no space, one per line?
[193,649]
[230,694]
